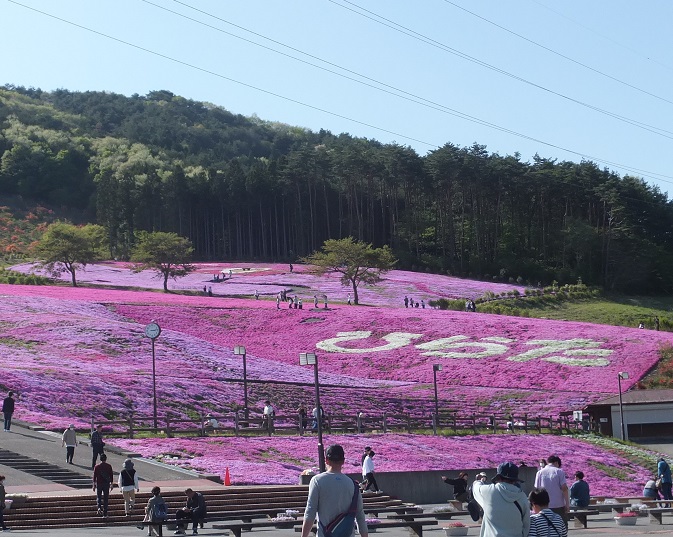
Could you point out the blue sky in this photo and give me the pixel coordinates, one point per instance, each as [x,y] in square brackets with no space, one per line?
[419,51]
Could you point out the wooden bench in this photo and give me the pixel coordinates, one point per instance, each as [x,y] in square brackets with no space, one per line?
[608,507]
[580,516]
[445,515]
[656,514]
[237,527]
[400,509]
[415,526]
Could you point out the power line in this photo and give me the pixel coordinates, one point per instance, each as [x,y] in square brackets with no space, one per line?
[335,114]
[608,38]
[379,19]
[561,55]
[425,102]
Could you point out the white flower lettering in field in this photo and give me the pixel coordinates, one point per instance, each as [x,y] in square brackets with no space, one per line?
[440,347]
[396,340]
[562,351]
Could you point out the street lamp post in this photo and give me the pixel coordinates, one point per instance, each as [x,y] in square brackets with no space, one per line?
[240,351]
[622,375]
[310,358]
[152,331]
[435,368]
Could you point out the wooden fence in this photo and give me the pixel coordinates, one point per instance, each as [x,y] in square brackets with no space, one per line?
[236,424]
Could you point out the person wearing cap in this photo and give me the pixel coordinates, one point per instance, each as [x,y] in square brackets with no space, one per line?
[128,484]
[505,505]
[553,480]
[69,440]
[459,486]
[330,494]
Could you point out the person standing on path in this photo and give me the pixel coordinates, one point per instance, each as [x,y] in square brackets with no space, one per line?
[97,445]
[2,503]
[331,494]
[459,486]
[8,410]
[664,473]
[553,480]
[368,473]
[505,505]
[128,484]
[103,481]
[69,440]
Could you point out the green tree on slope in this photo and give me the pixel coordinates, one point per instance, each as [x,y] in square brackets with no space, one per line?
[356,261]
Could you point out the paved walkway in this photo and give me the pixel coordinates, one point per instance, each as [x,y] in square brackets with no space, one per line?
[46,446]
[602,524]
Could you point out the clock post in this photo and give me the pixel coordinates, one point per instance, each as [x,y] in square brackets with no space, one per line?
[152,331]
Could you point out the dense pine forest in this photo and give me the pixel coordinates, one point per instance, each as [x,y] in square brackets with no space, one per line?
[244,188]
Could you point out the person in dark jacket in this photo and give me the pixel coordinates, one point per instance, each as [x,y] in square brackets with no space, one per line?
[459,486]
[8,410]
[195,510]
[579,491]
[103,481]
[97,445]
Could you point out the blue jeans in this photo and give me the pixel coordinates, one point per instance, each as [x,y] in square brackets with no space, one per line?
[8,420]
[666,491]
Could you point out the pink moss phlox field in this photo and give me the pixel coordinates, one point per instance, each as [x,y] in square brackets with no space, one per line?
[268,279]
[279,460]
[98,333]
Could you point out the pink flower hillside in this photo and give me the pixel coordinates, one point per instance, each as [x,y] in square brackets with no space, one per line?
[280,460]
[268,279]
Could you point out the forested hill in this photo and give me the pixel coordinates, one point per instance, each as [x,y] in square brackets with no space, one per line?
[240,187]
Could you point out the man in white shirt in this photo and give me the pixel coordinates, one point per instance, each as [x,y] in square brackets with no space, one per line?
[267,414]
[553,480]
[368,473]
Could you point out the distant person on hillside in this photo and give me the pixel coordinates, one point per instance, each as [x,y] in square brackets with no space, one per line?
[69,440]
[349,300]
[277,302]
[267,415]
[128,484]
[423,303]
[579,491]
[2,503]
[97,444]
[315,301]
[291,267]
[406,302]
[195,510]
[155,512]
[8,410]
[459,486]
[103,481]
[302,412]
[641,325]
[256,294]
[656,323]
[210,291]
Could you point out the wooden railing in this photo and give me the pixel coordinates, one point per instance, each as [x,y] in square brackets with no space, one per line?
[236,424]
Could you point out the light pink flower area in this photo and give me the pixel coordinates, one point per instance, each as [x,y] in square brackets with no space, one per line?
[268,279]
[280,460]
[74,353]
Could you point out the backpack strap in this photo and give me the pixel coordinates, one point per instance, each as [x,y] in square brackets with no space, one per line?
[550,524]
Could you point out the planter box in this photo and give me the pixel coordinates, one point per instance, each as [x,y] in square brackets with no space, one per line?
[626,520]
[456,531]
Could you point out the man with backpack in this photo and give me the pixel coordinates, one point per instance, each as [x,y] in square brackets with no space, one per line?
[336,500]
